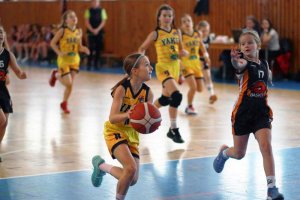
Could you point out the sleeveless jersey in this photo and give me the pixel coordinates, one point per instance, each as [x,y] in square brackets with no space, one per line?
[70,41]
[5,101]
[252,112]
[130,99]
[253,81]
[192,43]
[4,63]
[206,42]
[167,45]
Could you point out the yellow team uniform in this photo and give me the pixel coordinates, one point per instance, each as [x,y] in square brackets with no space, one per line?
[69,43]
[191,63]
[120,133]
[167,49]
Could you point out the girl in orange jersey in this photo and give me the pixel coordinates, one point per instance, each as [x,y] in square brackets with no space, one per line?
[251,113]
[167,41]
[67,44]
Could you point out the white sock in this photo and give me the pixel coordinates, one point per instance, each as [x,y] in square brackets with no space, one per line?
[120,197]
[105,167]
[173,123]
[271,181]
[224,154]
[210,88]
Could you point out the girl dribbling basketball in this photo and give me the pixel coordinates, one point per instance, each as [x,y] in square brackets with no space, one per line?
[121,139]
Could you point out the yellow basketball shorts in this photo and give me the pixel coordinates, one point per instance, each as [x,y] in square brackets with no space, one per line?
[192,67]
[115,135]
[165,71]
[68,63]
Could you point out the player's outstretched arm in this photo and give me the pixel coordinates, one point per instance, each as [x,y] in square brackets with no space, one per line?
[236,60]
[149,40]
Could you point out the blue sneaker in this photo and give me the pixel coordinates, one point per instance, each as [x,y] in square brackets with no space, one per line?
[273,194]
[97,173]
[219,161]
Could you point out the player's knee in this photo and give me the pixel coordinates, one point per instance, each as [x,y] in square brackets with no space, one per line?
[240,154]
[3,124]
[134,181]
[164,100]
[69,85]
[176,98]
[193,88]
[265,148]
[199,89]
[130,170]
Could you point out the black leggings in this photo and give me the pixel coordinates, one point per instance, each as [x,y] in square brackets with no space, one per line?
[95,44]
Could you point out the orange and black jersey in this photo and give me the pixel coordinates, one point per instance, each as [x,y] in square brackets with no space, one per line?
[5,101]
[4,63]
[253,80]
[251,112]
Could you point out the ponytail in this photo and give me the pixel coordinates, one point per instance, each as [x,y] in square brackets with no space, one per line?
[118,84]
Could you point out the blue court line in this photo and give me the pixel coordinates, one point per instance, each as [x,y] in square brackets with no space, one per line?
[191,179]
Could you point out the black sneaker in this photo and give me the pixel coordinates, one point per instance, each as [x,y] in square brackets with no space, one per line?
[175,135]
[170,134]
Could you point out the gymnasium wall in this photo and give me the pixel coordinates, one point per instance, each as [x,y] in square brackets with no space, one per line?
[130,21]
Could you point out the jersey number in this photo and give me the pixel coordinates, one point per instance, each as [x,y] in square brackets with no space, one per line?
[261,74]
[172,48]
[1,63]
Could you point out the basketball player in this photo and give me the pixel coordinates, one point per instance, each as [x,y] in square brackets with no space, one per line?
[192,67]
[67,44]
[7,59]
[204,29]
[167,41]
[121,139]
[251,113]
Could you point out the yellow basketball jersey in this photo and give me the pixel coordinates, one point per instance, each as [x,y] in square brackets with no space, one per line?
[167,45]
[70,41]
[131,99]
[191,43]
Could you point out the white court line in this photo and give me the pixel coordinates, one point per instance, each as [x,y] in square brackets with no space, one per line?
[147,163]
[12,152]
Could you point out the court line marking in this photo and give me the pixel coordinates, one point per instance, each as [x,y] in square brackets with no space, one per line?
[146,163]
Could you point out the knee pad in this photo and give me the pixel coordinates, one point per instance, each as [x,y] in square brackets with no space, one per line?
[164,100]
[176,98]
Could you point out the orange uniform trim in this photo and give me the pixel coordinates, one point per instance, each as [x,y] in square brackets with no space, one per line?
[244,84]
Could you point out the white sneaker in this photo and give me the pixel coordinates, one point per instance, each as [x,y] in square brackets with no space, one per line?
[190,110]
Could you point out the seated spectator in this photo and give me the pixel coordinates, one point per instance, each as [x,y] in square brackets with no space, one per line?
[270,41]
[12,38]
[44,46]
[34,41]
[252,24]
[22,45]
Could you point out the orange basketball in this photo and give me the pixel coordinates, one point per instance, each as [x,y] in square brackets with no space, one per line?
[145,118]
